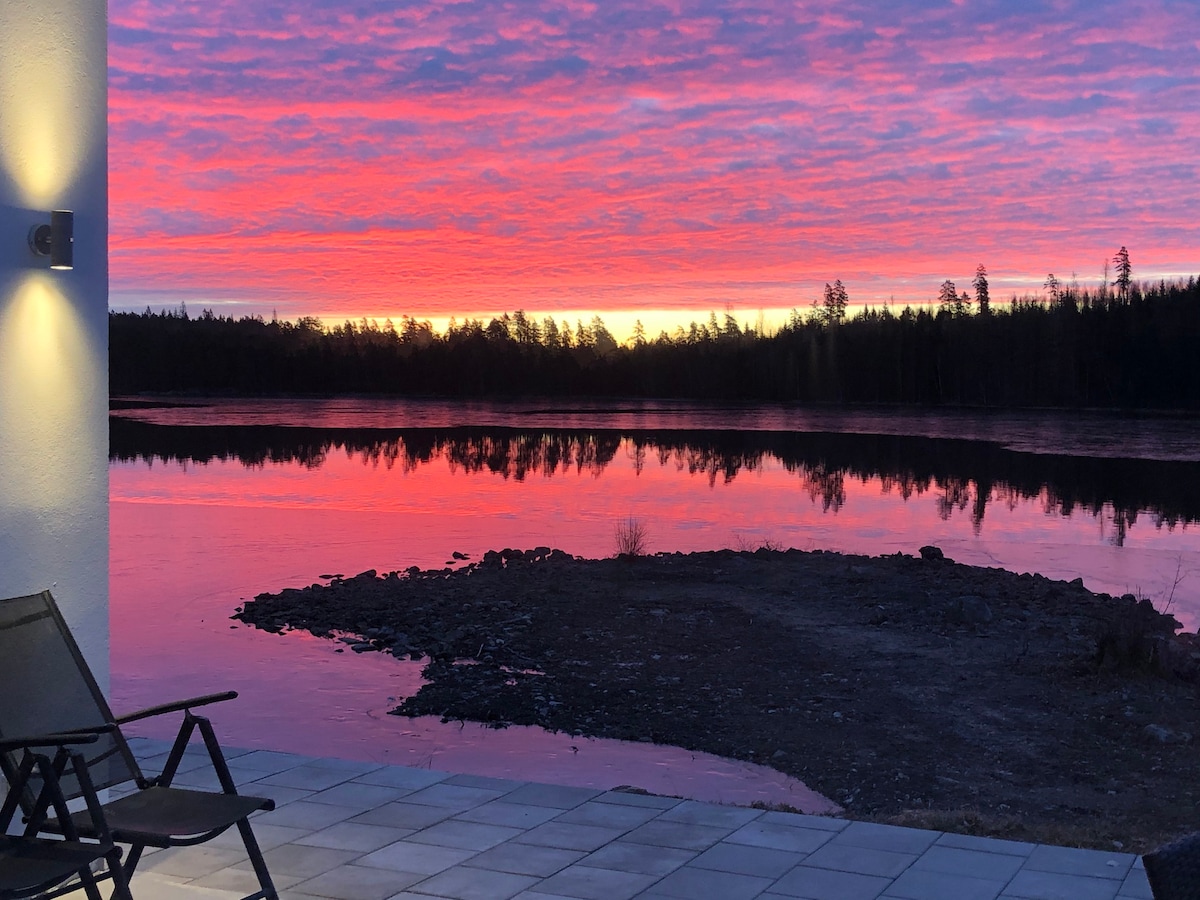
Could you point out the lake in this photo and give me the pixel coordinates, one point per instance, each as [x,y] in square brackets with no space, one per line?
[212,503]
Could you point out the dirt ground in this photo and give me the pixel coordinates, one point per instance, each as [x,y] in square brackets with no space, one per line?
[907,689]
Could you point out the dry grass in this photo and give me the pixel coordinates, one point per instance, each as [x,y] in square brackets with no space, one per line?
[744,544]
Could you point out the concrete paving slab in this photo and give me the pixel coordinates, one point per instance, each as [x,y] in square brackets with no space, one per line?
[505,812]
[678,835]
[743,860]
[310,816]
[885,837]
[988,844]
[1135,886]
[780,837]
[358,794]
[971,863]
[1029,884]
[925,884]
[829,884]
[455,797]
[359,831]
[356,883]
[644,859]
[529,859]
[590,883]
[353,836]
[557,796]
[864,860]
[705,884]
[464,835]
[421,858]
[609,815]
[568,836]
[1071,861]
[693,812]
[462,883]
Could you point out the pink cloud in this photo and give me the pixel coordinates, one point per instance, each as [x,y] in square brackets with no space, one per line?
[622,154]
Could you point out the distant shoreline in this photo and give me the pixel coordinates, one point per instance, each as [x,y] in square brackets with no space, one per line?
[1130,350]
[184,400]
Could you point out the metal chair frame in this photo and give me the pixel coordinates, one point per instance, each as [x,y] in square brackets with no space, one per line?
[44,867]
[156,814]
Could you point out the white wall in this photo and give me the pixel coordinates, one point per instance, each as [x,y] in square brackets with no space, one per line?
[54,325]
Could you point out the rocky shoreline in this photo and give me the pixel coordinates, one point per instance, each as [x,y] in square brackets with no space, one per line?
[906,688]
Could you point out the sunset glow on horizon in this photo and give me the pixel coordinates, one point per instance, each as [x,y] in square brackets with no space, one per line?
[654,160]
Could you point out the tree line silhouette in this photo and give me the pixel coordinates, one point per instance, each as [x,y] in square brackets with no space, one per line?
[1132,348]
[963,476]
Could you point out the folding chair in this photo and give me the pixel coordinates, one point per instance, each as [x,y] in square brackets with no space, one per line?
[34,866]
[48,688]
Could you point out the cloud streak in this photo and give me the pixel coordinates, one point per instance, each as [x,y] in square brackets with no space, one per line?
[446,157]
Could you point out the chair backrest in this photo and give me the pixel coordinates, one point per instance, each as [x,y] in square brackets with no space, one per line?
[46,687]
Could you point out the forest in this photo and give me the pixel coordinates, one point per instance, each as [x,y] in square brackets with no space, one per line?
[1136,348]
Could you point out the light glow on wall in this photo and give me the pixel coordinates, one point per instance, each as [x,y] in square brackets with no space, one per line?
[48,96]
[47,388]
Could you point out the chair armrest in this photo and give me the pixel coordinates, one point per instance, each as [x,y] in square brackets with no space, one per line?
[177,706]
[62,739]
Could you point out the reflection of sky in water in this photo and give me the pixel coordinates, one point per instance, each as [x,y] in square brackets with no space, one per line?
[190,541]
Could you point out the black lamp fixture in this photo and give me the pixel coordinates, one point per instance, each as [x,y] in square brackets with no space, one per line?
[56,240]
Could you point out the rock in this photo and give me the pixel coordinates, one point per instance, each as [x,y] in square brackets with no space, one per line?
[457,555]
[931,552]
[1160,734]
[969,610]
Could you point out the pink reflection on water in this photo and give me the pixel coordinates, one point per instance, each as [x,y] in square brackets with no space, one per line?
[178,571]
[188,544]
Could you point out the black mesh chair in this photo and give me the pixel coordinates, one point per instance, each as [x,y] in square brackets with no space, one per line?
[1174,869]
[35,866]
[48,688]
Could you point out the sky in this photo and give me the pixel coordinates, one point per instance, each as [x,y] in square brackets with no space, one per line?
[640,158]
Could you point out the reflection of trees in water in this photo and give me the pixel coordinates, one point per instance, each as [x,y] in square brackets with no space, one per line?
[518,455]
[965,477]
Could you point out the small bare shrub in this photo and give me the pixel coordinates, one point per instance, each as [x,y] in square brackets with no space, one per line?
[632,537]
[744,544]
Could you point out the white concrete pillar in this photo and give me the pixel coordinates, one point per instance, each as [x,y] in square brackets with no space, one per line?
[54,324]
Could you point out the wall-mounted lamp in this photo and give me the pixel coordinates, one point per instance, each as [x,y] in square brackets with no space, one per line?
[56,240]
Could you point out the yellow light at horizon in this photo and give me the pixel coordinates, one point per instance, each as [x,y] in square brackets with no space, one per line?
[620,322]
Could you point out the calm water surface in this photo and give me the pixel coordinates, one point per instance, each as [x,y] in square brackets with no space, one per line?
[215,503]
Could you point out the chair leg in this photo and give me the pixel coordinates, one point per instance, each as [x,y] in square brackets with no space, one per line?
[131,860]
[227,784]
[120,880]
[257,861]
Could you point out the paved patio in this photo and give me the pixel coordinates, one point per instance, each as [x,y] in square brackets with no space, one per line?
[359,831]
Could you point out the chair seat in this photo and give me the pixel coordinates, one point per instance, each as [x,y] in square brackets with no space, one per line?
[163,816]
[30,863]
